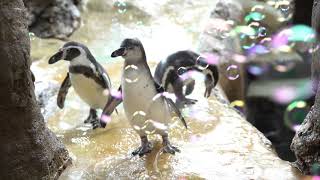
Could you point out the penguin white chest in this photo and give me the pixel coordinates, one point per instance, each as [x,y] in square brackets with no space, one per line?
[89,91]
[139,99]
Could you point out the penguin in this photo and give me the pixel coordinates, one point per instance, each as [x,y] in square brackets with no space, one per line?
[88,78]
[167,74]
[145,108]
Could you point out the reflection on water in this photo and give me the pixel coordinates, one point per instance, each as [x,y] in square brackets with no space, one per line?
[219,143]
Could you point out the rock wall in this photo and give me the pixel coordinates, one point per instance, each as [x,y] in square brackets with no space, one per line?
[53,18]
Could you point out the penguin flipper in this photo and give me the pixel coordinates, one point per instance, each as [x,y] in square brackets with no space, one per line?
[66,84]
[177,111]
[111,106]
[113,102]
[160,89]
[103,76]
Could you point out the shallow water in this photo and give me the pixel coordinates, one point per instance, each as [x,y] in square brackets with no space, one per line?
[219,142]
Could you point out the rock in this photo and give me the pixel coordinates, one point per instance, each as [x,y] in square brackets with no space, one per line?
[306,142]
[53,18]
[46,95]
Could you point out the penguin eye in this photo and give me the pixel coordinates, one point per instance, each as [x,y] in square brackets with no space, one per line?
[130,47]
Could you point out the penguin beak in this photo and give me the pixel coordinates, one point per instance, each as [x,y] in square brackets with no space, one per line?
[119,52]
[56,57]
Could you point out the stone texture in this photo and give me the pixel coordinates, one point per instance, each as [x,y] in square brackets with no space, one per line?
[53,18]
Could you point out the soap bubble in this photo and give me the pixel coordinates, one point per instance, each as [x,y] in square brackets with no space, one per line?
[254,16]
[106,119]
[283,5]
[262,31]
[181,71]
[257,50]
[244,30]
[138,118]
[232,72]
[202,63]
[284,66]
[238,104]
[295,114]
[315,169]
[121,6]
[239,58]
[206,59]
[32,36]
[115,93]
[284,94]
[131,73]
[257,69]
[316,178]
[296,33]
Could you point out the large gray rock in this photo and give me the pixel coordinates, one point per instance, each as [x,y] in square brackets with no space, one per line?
[53,18]
[306,143]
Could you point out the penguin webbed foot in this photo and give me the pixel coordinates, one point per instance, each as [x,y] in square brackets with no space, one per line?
[93,119]
[186,101]
[189,101]
[96,124]
[168,147]
[145,147]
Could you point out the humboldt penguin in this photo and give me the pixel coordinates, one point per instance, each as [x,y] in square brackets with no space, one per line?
[144,101]
[167,74]
[88,78]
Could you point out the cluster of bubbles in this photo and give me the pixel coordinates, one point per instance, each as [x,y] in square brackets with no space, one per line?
[121,6]
[148,126]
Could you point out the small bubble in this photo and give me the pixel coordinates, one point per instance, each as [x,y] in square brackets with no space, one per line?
[233,72]
[256,70]
[295,114]
[315,169]
[202,63]
[284,6]
[131,73]
[32,36]
[283,66]
[181,71]
[115,93]
[121,6]
[106,118]
[262,31]
[238,104]
[284,94]
[239,58]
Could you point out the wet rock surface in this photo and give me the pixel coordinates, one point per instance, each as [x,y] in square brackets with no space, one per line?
[53,18]
[219,144]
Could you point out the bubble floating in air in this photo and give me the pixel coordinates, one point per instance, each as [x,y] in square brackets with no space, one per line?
[121,6]
[181,71]
[284,94]
[233,72]
[295,114]
[131,73]
[32,36]
[238,104]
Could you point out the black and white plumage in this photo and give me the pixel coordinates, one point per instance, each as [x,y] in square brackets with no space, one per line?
[143,104]
[88,78]
[167,74]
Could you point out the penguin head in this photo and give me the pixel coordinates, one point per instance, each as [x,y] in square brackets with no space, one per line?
[131,50]
[211,79]
[68,52]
